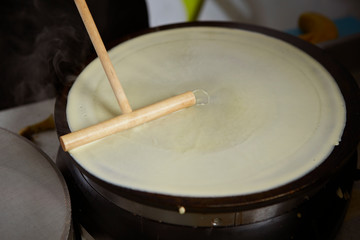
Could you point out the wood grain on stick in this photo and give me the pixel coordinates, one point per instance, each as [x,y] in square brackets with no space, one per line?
[126,121]
[103,55]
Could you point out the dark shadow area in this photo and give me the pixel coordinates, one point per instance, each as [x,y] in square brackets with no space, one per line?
[44,44]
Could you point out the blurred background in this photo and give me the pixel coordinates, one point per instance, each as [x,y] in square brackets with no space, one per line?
[277,14]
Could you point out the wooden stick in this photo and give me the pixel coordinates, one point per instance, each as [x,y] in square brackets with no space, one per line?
[103,55]
[125,121]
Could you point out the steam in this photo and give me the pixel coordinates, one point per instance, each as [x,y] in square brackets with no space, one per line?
[44,44]
[47,47]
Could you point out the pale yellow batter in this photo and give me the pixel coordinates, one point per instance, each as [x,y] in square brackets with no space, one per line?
[273,115]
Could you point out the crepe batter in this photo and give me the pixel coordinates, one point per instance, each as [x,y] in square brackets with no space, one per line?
[273,113]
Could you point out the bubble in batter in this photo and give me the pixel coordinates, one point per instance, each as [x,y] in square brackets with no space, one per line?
[202,97]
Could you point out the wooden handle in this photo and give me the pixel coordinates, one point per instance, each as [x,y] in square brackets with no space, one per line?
[126,121]
[103,55]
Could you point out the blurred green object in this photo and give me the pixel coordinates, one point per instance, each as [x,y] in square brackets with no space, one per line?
[192,8]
